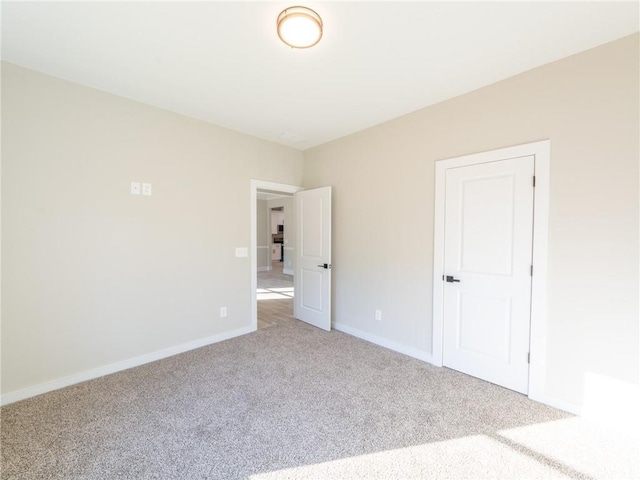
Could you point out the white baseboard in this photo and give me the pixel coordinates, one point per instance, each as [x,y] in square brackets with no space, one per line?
[383,342]
[264,269]
[286,271]
[421,355]
[34,390]
[558,403]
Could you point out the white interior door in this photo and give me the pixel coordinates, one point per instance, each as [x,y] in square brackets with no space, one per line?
[313,265]
[487,270]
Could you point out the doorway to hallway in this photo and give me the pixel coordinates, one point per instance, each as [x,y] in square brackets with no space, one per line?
[273,277]
[308,229]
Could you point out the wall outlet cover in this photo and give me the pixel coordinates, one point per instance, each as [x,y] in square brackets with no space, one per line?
[135,188]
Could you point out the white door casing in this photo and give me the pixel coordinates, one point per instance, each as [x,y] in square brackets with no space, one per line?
[488,241]
[541,151]
[313,263]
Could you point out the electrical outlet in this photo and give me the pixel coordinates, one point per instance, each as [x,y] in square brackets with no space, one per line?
[146,189]
[223,312]
[135,188]
[379,315]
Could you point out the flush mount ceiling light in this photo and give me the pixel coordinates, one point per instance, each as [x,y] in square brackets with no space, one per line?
[299,27]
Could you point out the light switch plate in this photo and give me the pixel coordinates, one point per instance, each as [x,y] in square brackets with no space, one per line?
[146,189]
[135,188]
[242,252]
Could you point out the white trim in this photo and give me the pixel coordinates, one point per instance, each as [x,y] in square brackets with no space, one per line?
[264,269]
[32,391]
[260,246]
[383,342]
[542,152]
[559,404]
[538,336]
[256,185]
[438,266]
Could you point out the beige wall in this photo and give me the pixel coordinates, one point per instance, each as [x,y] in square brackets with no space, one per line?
[263,235]
[93,275]
[383,180]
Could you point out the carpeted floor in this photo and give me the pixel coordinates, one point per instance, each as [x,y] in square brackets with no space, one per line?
[292,402]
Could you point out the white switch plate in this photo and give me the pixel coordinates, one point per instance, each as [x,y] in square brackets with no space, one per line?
[223,312]
[242,252]
[146,189]
[135,188]
[379,315]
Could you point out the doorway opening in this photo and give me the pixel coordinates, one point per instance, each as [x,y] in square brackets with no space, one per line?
[273,259]
[275,282]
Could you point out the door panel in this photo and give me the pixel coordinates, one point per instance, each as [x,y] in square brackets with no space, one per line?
[311,289]
[311,210]
[312,279]
[488,247]
[487,224]
[484,325]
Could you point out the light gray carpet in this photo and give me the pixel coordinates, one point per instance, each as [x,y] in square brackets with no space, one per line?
[293,401]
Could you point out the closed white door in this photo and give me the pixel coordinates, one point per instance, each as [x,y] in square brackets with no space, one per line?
[487,270]
[313,263]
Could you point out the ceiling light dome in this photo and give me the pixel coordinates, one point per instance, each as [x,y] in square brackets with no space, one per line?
[299,27]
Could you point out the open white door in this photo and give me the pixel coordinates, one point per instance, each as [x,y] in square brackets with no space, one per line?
[313,249]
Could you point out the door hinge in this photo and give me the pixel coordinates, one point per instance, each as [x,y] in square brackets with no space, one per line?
[529,357]
[531,271]
[534,180]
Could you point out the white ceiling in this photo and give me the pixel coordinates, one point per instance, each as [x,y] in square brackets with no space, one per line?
[223,62]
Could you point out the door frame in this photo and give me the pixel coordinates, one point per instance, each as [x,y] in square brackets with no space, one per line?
[256,185]
[537,344]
